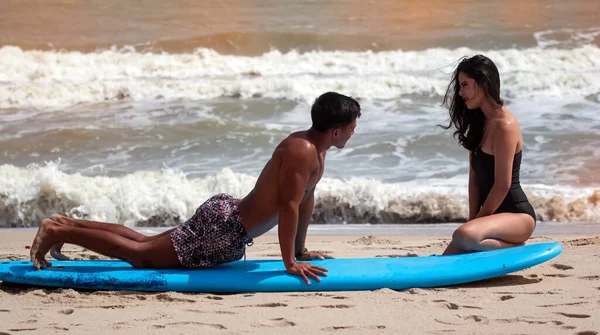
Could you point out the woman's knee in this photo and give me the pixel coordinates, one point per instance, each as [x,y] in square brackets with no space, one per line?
[466,237]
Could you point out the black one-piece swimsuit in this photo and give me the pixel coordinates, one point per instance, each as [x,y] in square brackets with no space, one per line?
[515,200]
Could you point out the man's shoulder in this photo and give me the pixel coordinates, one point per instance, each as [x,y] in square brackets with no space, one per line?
[298,149]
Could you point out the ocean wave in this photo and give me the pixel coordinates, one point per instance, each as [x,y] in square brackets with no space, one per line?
[167,198]
[566,37]
[53,79]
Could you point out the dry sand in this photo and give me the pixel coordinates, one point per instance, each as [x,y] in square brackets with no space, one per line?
[561,296]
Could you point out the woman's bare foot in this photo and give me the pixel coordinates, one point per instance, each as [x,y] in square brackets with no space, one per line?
[56,252]
[42,244]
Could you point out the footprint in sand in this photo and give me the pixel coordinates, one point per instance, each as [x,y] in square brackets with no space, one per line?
[476,318]
[531,322]
[337,306]
[29,321]
[270,304]
[283,322]
[167,297]
[418,291]
[214,297]
[110,306]
[374,327]
[506,297]
[557,275]
[67,311]
[342,297]
[447,304]
[318,294]
[121,325]
[576,316]
[471,307]
[335,328]
[61,328]
[22,329]
[446,322]
[567,304]
[187,323]
[562,267]
[212,312]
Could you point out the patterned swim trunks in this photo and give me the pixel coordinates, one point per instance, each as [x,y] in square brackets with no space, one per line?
[214,235]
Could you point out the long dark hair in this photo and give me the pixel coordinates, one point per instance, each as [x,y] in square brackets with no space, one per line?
[470,123]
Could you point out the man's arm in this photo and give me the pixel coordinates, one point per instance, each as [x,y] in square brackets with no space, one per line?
[306,209]
[294,174]
[297,164]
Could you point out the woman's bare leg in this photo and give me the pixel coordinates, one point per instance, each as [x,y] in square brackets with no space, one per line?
[157,253]
[497,231]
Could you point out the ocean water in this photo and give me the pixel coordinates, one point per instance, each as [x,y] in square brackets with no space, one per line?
[136,115]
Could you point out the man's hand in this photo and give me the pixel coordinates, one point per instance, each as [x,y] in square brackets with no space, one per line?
[305,270]
[312,255]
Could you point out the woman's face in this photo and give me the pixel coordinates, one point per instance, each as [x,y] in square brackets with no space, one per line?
[469,91]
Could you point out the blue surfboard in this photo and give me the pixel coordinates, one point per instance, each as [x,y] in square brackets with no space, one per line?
[344,274]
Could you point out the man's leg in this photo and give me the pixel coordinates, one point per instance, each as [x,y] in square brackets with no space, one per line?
[157,253]
[118,229]
[111,227]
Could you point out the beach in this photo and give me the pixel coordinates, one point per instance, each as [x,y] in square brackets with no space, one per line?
[561,296]
[136,114]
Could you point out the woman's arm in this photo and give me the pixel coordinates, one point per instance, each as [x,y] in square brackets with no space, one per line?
[474,204]
[506,138]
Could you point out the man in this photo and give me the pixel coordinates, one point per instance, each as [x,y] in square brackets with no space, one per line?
[222,227]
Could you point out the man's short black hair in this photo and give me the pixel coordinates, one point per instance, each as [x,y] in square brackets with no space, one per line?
[332,110]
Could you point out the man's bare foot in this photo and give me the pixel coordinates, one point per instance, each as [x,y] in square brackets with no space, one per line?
[56,252]
[60,219]
[41,245]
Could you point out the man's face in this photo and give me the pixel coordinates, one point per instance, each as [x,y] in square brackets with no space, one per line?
[341,135]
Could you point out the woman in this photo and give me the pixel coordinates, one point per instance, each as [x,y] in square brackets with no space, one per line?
[500,216]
